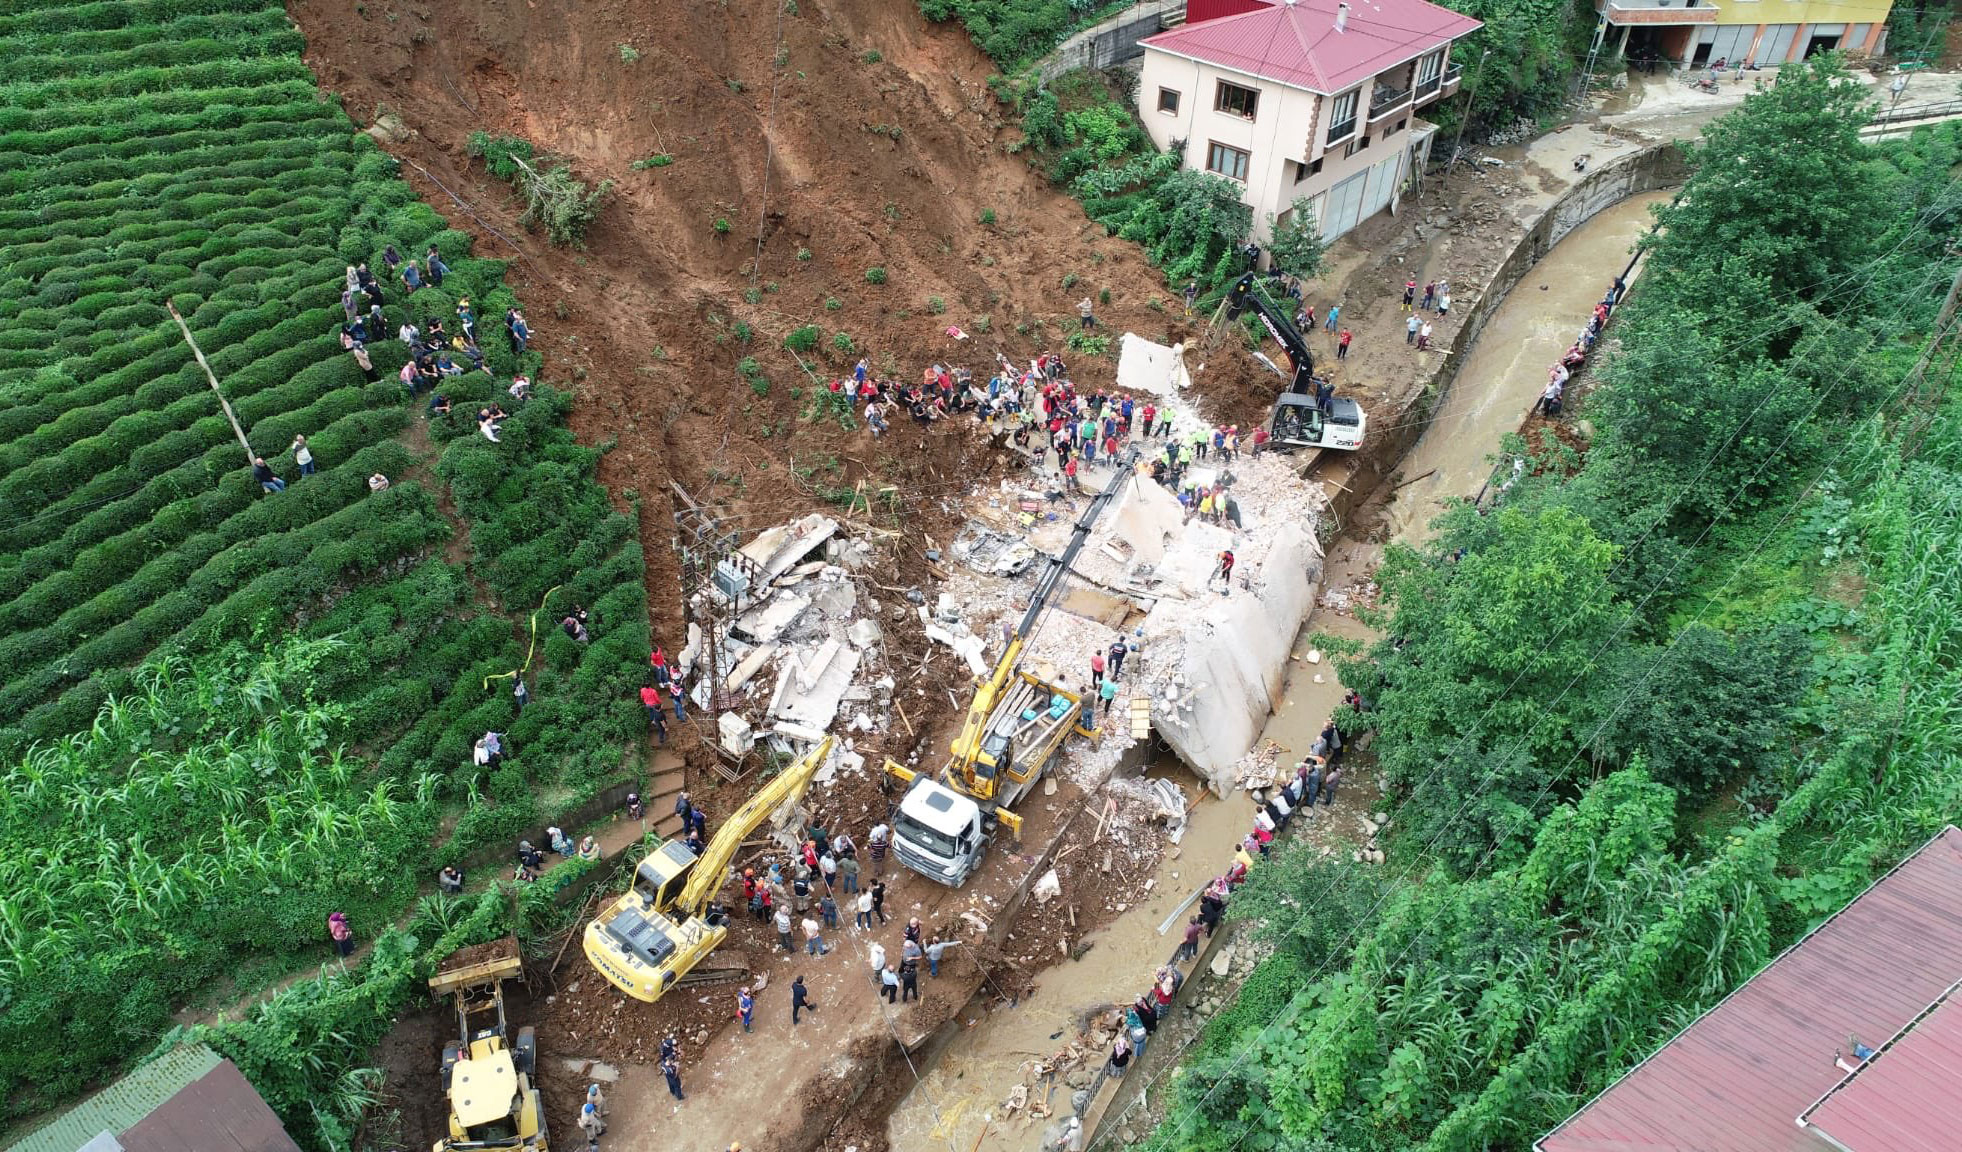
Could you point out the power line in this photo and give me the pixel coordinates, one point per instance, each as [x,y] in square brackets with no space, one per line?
[1294,1004]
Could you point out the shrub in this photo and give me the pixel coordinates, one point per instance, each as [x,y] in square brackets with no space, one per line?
[628,54]
[936,305]
[875,275]
[802,339]
[841,342]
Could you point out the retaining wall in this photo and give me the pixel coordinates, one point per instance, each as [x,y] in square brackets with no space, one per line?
[1660,166]
[1110,42]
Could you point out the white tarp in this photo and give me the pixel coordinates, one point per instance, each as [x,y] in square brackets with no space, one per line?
[1235,655]
[1143,366]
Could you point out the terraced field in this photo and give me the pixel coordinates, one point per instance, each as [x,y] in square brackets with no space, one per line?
[178,151]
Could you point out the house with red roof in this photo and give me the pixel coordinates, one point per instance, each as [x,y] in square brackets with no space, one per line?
[1849,1041]
[1303,100]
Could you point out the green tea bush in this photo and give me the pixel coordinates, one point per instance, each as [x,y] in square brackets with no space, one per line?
[176,150]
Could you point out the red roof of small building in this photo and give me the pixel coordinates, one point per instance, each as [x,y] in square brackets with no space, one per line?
[1738,1078]
[1297,44]
[1904,1098]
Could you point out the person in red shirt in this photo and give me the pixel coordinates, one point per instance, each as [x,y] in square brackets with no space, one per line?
[1260,440]
[1342,345]
[1069,475]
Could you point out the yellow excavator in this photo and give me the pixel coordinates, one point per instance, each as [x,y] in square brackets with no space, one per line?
[1014,725]
[491,1083]
[659,931]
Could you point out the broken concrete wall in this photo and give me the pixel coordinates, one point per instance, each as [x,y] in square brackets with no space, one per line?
[1230,654]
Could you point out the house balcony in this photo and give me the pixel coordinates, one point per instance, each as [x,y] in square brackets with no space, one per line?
[1626,12]
[1438,87]
[1386,102]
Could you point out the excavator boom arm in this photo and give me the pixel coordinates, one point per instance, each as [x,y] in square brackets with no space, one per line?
[1244,295]
[967,746]
[706,879]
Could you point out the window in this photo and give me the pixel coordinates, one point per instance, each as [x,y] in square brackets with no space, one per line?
[1354,146]
[1227,161]
[1342,115]
[1430,74]
[1303,171]
[1235,100]
[1168,101]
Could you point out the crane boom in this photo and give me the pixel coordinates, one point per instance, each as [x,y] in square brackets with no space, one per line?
[706,879]
[967,747]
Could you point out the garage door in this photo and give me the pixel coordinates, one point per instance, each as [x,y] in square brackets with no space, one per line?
[1344,206]
[1382,184]
[1731,42]
[1776,44]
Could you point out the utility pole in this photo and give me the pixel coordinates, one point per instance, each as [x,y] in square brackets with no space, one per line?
[213,378]
[1471,98]
[1920,372]
[718,583]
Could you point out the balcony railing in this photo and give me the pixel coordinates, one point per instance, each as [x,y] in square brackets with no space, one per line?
[1443,84]
[1341,130]
[1387,100]
[1659,12]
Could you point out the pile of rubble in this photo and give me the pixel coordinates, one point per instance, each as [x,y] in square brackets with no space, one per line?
[797,647]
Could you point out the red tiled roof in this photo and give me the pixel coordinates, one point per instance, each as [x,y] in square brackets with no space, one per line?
[1737,1079]
[1904,1099]
[1297,44]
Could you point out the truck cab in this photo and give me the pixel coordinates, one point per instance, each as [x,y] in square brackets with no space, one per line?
[938,833]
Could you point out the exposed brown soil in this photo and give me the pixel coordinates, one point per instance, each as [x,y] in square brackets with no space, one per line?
[779,125]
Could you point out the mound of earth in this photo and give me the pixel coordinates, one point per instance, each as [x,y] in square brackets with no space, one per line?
[829,138]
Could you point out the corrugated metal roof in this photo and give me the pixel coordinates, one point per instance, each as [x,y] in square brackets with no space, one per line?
[220,1112]
[122,1104]
[1737,1079]
[1905,1099]
[1297,44]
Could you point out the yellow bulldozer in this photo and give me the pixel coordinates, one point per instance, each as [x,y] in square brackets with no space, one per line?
[491,1082]
[660,930]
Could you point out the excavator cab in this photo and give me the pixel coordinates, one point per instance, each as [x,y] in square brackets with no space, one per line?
[663,873]
[1298,422]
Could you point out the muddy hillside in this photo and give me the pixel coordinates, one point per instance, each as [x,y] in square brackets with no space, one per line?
[834,137]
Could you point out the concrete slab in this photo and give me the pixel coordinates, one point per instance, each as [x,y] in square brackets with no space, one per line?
[817,705]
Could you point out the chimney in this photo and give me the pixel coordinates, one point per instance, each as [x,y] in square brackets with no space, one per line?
[1341,17]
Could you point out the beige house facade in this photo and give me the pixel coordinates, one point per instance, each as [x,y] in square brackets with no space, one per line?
[1305,101]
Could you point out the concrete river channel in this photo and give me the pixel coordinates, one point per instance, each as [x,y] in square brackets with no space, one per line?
[957,1102]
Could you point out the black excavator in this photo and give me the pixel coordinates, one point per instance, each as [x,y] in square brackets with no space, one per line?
[1299,420]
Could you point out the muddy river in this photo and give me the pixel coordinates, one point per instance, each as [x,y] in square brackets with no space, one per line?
[1506,369]
[957,1102]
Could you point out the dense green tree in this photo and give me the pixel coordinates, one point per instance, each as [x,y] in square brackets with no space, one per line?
[1484,673]
[1703,708]
[1784,202]
[1296,245]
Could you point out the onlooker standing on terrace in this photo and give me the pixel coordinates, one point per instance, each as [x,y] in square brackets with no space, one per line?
[437,269]
[1086,312]
[520,332]
[302,455]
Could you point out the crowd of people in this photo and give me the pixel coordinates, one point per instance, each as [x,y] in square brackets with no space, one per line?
[435,352]
[1552,397]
